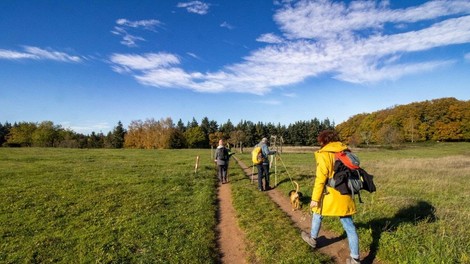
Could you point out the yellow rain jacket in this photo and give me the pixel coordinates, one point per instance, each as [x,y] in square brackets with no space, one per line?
[331,202]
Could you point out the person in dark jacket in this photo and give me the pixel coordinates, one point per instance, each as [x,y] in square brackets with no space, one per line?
[221,159]
[263,167]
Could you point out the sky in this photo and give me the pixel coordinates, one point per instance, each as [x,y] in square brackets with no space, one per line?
[86,65]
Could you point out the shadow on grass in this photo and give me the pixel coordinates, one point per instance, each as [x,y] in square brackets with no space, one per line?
[421,211]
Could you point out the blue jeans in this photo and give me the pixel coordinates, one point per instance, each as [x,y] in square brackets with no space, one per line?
[263,171]
[348,226]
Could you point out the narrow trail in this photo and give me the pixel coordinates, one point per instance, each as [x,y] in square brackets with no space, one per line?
[231,240]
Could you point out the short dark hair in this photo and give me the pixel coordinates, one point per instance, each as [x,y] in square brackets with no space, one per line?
[327,136]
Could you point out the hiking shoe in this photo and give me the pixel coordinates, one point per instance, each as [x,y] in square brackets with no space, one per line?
[310,240]
[351,260]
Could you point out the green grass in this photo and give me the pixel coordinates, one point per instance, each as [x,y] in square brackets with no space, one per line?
[147,206]
[78,206]
[420,212]
[130,206]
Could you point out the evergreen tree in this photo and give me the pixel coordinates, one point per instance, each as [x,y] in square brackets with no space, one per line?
[227,128]
[180,126]
[4,131]
[117,136]
[193,124]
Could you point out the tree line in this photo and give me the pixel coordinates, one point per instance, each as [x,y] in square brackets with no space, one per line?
[446,119]
[161,134]
[47,134]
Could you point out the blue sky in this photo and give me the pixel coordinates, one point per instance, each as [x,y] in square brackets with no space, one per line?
[86,65]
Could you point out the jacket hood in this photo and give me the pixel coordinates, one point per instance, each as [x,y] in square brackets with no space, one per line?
[333,147]
[220,146]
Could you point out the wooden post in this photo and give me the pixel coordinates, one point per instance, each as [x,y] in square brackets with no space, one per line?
[197,165]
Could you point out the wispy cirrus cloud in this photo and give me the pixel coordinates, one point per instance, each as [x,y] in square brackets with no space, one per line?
[124,26]
[225,24]
[347,41]
[35,53]
[467,56]
[16,55]
[196,7]
[193,55]
[130,62]
[149,24]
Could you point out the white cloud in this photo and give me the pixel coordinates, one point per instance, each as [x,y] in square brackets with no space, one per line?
[225,24]
[323,37]
[270,38]
[87,128]
[15,55]
[36,53]
[144,62]
[124,26]
[327,19]
[166,77]
[149,24]
[196,7]
[193,55]
[371,74]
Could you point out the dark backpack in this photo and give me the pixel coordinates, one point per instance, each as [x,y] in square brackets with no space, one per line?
[349,177]
[222,154]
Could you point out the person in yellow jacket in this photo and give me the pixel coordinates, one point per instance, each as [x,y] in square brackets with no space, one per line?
[326,201]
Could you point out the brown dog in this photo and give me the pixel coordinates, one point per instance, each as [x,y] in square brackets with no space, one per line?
[295,196]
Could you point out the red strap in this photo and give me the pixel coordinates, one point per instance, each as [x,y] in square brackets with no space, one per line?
[345,160]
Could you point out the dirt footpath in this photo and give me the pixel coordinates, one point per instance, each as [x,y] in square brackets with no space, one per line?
[231,238]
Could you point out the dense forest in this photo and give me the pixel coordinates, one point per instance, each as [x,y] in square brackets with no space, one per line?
[446,119]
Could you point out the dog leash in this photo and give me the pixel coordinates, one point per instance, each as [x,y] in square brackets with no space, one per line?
[288,174]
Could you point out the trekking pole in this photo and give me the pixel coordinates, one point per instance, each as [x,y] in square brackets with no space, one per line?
[226,171]
[252,172]
[275,171]
[275,166]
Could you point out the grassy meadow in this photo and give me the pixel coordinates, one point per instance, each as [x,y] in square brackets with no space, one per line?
[421,210]
[105,206]
[148,206]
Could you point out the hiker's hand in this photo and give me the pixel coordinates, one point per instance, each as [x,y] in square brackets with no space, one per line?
[313,204]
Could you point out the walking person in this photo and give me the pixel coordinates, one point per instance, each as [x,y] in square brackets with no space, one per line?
[263,167]
[221,159]
[327,201]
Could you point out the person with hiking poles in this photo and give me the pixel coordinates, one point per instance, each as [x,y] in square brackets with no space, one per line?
[221,159]
[263,167]
[327,201]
